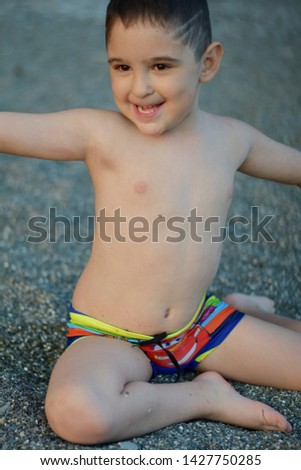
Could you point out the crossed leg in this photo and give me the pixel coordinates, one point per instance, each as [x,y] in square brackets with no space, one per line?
[99,390]
[259,352]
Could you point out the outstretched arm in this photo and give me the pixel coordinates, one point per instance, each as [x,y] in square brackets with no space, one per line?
[271,160]
[56,136]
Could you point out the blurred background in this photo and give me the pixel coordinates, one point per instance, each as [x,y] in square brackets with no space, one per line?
[53,57]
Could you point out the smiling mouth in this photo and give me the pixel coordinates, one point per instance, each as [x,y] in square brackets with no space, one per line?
[148,111]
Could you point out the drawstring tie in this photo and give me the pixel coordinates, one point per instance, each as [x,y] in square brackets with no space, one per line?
[157,339]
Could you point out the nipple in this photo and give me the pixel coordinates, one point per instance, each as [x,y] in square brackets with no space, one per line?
[230,193]
[140,187]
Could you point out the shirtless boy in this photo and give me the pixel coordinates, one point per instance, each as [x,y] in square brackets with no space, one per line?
[140,306]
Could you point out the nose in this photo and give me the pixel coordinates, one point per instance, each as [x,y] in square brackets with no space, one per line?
[141,85]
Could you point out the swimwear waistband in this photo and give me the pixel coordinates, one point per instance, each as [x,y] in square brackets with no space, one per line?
[93,325]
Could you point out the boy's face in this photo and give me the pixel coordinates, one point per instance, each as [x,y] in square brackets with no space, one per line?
[155,78]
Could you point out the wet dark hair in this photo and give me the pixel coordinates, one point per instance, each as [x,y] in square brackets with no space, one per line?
[190,19]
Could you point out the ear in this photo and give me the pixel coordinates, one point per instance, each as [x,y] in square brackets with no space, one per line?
[211,62]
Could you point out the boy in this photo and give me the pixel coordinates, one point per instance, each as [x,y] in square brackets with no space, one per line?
[141,305]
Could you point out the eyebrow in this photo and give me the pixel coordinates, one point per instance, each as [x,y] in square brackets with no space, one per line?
[164,58]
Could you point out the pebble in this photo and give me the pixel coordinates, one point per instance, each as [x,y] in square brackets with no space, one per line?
[4,408]
[128,445]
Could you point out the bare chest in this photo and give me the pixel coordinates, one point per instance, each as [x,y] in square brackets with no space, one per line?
[170,186]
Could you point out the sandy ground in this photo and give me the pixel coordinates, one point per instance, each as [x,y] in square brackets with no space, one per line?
[52,57]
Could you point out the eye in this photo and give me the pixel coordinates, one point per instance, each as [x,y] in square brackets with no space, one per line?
[122,68]
[161,67]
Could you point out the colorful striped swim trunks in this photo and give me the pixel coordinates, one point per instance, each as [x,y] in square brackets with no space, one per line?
[168,353]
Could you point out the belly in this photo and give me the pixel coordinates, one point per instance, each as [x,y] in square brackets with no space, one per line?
[152,259]
[148,287]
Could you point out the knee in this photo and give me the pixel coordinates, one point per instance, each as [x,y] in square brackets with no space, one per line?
[75,416]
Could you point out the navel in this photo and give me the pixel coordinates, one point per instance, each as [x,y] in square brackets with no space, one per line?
[167,313]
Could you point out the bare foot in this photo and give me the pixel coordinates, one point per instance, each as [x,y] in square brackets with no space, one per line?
[251,304]
[262,308]
[228,406]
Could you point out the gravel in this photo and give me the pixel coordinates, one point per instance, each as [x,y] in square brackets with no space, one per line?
[53,57]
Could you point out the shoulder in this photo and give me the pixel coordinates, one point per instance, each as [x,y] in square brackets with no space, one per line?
[106,131]
[106,124]
[231,136]
[229,128]
[101,126]
[255,154]
[97,119]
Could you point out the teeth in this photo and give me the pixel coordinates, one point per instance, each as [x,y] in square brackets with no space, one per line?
[145,109]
